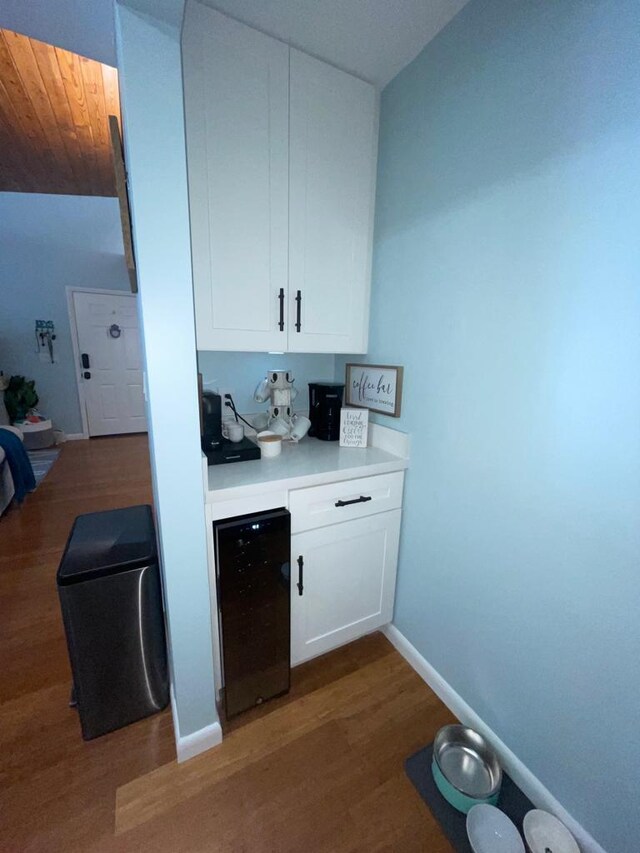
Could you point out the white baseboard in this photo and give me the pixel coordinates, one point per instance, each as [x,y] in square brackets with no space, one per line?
[521,775]
[191,745]
[188,746]
[76,436]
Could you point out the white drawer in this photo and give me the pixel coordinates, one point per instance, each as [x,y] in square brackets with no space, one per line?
[319,506]
[244,506]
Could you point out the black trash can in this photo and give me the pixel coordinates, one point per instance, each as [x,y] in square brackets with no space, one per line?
[111,599]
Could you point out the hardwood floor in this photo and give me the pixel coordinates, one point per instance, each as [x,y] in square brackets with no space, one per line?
[318,770]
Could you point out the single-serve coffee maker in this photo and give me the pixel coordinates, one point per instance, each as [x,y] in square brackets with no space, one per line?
[211,414]
[216,446]
[325,402]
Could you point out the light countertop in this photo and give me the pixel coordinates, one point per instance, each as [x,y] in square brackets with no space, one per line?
[310,463]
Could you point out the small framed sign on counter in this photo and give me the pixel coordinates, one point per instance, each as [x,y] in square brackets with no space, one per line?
[377,387]
[354,427]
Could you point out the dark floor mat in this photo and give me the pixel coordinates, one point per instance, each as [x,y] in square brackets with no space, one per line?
[454,824]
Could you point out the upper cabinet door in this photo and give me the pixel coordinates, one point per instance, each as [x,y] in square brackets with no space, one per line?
[333,132]
[237,121]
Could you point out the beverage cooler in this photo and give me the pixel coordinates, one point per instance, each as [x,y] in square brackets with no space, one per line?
[253,554]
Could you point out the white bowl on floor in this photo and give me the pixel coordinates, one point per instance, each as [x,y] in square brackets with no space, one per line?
[490,831]
[544,832]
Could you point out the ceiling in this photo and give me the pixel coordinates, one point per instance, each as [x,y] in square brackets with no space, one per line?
[54,130]
[373,39]
[86,27]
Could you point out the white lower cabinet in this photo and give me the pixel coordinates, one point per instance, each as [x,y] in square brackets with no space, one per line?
[343,579]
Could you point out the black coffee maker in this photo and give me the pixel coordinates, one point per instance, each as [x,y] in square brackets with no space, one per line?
[325,402]
[211,421]
[216,447]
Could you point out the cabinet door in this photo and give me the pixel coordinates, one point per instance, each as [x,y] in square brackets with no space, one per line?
[348,582]
[332,161]
[237,121]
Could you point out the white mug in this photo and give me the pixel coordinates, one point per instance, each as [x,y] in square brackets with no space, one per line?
[260,421]
[300,427]
[261,394]
[270,444]
[233,431]
[279,426]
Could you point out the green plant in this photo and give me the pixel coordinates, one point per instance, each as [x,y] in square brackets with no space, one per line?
[19,397]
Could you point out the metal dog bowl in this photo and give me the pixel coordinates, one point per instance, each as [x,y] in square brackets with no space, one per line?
[465,768]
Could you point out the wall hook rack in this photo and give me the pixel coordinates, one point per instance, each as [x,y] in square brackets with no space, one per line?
[45,336]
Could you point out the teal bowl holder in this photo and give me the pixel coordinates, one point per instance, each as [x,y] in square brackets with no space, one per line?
[462,802]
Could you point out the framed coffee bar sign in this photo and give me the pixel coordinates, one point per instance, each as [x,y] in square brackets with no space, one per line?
[377,387]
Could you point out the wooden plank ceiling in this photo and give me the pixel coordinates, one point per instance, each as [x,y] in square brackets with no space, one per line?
[54,127]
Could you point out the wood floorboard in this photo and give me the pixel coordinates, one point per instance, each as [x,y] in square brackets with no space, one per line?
[318,770]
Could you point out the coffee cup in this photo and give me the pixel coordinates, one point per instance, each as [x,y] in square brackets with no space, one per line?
[233,431]
[279,426]
[270,444]
[261,394]
[260,421]
[300,428]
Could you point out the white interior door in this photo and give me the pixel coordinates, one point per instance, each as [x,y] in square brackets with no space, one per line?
[109,344]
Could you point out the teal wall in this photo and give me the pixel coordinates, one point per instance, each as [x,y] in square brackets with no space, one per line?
[240,372]
[47,243]
[506,281]
[151,88]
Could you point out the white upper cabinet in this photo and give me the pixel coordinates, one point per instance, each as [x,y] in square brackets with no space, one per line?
[281,157]
[332,162]
[237,124]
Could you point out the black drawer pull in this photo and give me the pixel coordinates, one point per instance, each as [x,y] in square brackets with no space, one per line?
[361,500]
[281,320]
[300,584]
[298,310]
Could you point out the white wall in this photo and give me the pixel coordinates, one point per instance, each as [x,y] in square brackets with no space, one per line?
[49,242]
[240,372]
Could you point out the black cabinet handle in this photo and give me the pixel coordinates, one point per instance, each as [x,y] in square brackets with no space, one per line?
[298,310]
[85,360]
[300,584]
[281,299]
[361,500]
[86,374]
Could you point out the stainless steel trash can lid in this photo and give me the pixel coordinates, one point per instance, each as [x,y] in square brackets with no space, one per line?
[103,543]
